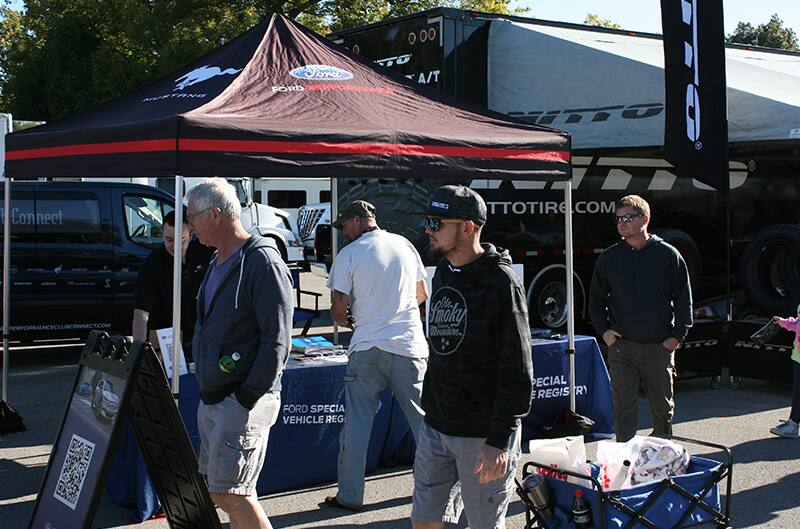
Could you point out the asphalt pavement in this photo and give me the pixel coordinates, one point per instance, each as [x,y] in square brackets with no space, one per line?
[765,476]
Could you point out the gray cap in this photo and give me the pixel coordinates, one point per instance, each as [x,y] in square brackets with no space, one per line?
[457,202]
[356,208]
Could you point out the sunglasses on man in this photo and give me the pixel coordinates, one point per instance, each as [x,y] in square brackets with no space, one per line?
[435,223]
[626,218]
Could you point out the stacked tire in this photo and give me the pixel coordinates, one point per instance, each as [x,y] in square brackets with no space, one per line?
[771,269]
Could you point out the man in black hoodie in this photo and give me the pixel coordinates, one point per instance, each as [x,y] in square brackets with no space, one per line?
[479,380]
[641,304]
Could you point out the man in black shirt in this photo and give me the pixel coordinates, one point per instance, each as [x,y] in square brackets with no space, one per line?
[641,304]
[479,379]
[153,298]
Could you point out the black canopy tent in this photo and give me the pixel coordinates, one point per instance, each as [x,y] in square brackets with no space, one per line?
[280,100]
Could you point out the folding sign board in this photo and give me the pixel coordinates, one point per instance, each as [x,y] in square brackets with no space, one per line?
[166,447]
[118,379]
[76,470]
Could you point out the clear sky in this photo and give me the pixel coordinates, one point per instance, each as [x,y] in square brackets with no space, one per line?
[645,15]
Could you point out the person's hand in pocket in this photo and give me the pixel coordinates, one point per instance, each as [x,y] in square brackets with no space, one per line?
[671,343]
[610,336]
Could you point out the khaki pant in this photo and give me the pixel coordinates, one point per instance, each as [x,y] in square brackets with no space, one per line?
[651,364]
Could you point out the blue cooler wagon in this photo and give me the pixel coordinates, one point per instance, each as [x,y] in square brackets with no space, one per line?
[672,503]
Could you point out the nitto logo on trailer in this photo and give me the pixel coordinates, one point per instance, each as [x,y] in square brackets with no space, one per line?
[546,207]
[589,115]
[392,61]
[615,174]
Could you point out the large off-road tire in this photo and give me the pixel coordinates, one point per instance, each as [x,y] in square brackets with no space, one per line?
[399,205]
[688,249]
[771,269]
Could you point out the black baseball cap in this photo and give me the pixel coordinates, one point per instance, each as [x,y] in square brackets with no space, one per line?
[457,202]
[356,208]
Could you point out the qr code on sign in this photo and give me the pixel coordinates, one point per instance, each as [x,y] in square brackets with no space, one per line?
[73,472]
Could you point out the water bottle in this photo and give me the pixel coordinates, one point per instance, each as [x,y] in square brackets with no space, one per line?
[227,363]
[622,476]
[581,512]
[538,492]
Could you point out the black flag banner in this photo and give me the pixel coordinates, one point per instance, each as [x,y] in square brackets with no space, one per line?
[696,129]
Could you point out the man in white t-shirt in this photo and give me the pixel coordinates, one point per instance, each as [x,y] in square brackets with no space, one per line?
[380,276]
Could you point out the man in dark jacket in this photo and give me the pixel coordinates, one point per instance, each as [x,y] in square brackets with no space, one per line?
[479,380]
[241,344]
[641,304]
[153,297]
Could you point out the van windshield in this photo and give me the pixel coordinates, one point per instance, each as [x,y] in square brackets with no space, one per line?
[241,191]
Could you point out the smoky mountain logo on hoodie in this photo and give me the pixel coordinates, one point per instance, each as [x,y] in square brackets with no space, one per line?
[447,321]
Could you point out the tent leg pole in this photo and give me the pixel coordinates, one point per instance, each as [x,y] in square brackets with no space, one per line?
[6,283]
[10,420]
[570,291]
[728,303]
[334,243]
[177,274]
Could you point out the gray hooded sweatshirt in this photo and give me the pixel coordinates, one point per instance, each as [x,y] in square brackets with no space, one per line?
[250,314]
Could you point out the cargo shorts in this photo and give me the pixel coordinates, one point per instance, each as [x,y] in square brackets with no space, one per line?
[233,442]
[441,462]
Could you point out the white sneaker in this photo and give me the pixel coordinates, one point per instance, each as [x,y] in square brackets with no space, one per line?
[789,429]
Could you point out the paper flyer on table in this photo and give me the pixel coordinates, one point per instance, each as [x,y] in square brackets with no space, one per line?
[165,343]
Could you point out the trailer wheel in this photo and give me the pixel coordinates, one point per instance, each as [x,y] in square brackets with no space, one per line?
[771,269]
[688,249]
[396,202]
[547,299]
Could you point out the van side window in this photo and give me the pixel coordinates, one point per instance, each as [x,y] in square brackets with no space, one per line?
[68,218]
[324,196]
[143,219]
[23,217]
[286,199]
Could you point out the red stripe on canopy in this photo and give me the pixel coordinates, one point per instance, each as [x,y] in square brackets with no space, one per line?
[296,147]
[304,147]
[93,148]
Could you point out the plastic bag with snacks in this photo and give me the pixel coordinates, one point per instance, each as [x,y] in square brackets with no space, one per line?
[616,462]
[565,453]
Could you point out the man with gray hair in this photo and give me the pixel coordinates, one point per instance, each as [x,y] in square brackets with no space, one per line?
[241,344]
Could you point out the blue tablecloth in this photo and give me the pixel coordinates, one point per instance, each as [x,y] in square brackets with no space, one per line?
[551,386]
[304,444]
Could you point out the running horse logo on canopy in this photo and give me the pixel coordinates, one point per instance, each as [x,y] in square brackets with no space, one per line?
[204,73]
[321,72]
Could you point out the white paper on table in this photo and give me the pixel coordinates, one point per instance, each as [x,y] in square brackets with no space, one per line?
[165,343]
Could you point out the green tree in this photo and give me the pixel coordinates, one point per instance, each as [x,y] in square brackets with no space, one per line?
[59,57]
[773,34]
[592,19]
